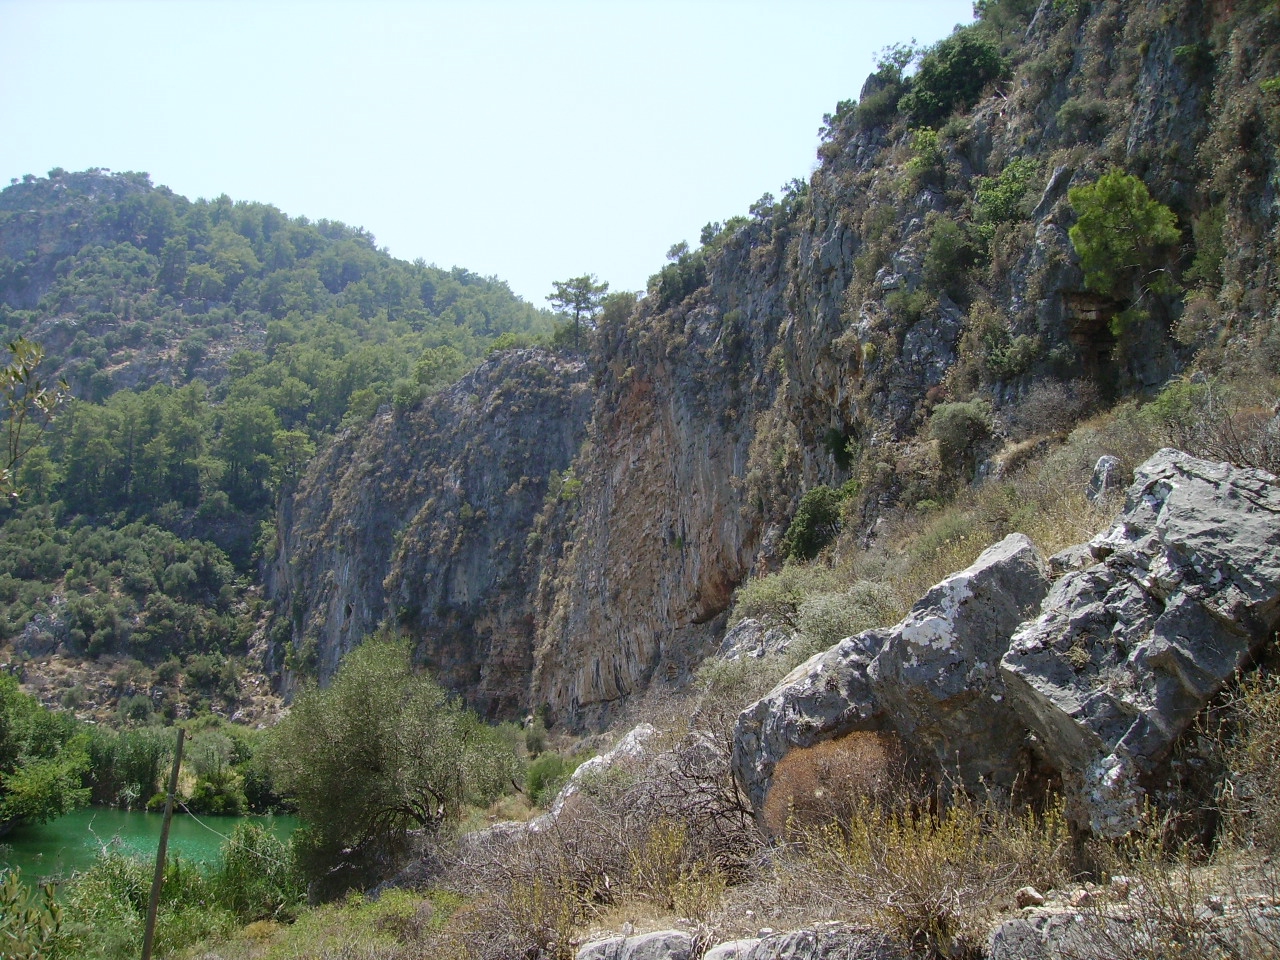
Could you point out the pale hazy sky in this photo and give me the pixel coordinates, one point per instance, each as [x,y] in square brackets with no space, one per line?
[532,140]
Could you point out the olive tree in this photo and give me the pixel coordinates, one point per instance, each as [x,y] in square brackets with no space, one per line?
[381,751]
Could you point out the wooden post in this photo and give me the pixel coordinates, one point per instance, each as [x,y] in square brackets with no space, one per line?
[148,938]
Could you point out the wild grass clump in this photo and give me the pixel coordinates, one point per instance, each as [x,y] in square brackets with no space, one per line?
[934,878]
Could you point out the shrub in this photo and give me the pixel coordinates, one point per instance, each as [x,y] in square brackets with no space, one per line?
[257,878]
[1001,198]
[827,618]
[29,923]
[380,751]
[1251,798]
[547,774]
[949,255]
[1083,118]
[959,428]
[816,522]
[952,75]
[831,781]
[935,879]
[1052,406]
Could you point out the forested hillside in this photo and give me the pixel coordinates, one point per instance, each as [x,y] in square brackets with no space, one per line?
[210,347]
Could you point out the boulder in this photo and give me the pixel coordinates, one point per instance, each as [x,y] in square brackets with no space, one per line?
[1106,478]
[932,679]
[937,674]
[733,950]
[751,638]
[1126,652]
[825,697]
[663,945]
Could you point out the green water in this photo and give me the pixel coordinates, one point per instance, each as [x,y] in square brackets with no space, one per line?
[70,843]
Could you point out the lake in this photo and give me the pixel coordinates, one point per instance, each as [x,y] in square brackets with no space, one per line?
[71,842]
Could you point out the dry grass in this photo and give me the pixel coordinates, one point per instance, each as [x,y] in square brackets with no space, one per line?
[934,879]
[829,781]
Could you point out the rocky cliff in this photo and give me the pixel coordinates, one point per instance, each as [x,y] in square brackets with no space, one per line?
[809,344]
[419,520]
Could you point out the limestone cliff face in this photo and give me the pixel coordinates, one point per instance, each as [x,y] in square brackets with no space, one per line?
[807,345]
[636,586]
[419,521]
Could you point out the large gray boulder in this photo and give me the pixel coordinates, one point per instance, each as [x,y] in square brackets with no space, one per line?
[937,675]
[932,679]
[1126,653]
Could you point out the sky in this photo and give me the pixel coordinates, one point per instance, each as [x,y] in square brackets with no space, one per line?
[533,141]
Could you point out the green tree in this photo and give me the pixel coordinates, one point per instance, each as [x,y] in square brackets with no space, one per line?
[29,407]
[579,296]
[381,751]
[815,524]
[1123,237]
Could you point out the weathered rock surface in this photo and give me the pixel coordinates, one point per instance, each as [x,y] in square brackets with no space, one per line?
[663,945]
[751,638]
[421,519]
[1128,651]
[830,944]
[932,679]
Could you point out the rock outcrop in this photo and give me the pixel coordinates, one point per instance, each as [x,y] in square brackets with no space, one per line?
[932,679]
[1128,651]
[1101,679]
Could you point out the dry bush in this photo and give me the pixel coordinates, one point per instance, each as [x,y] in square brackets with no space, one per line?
[1168,901]
[1236,422]
[1052,406]
[933,879]
[830,781]
[1251,792]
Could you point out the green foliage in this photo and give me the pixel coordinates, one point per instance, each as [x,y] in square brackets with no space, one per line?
[1209,229]
[681,277]
[775,599]
[29,922]
[547,774]
[43,759]
[1123,237]
[1083,118]
[1004,21]
[948,257]
[1002,198]
[133,589]
[28,407]
[927,165]
[952,75]
[127,766]
[825,618]
[815,524]
[257,878]
[381,751]
[959,428]
[579,297]
[255,336]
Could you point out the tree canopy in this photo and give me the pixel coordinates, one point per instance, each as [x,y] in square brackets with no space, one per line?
[1122,236]
[381,751]
[579,296]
